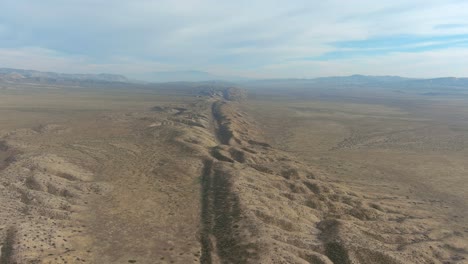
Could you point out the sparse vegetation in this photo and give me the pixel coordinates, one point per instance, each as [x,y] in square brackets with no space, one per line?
[182,177]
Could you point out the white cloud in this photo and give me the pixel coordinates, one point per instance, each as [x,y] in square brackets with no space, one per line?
[223,36]
[49,60]
[448,62]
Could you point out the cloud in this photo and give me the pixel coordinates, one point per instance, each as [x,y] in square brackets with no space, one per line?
[50,60]
[450,26]
[225,37]
[439,63]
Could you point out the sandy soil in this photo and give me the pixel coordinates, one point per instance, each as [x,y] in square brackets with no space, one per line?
[196,181]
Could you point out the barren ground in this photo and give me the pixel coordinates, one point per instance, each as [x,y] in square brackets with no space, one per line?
[200,175]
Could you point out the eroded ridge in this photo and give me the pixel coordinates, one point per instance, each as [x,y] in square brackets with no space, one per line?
[261,205]
[43,197]
[195,182]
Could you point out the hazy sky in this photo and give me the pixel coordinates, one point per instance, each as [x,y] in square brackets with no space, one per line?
[416,38]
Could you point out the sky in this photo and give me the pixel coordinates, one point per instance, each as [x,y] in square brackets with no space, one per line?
[255,39]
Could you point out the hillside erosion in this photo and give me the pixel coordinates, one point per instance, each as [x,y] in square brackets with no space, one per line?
[195,181]
[261,205]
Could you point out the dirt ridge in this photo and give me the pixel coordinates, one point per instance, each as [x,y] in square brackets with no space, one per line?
[195,182]
[324,223]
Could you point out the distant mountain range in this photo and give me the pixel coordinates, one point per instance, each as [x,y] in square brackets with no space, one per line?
[394,82]
[185,76]
[18,75]
[353,79]
[175,76]
[388,80]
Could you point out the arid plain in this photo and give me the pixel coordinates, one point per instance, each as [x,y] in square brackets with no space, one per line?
[204,173]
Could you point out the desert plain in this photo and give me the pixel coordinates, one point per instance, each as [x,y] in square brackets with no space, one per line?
[211,173]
